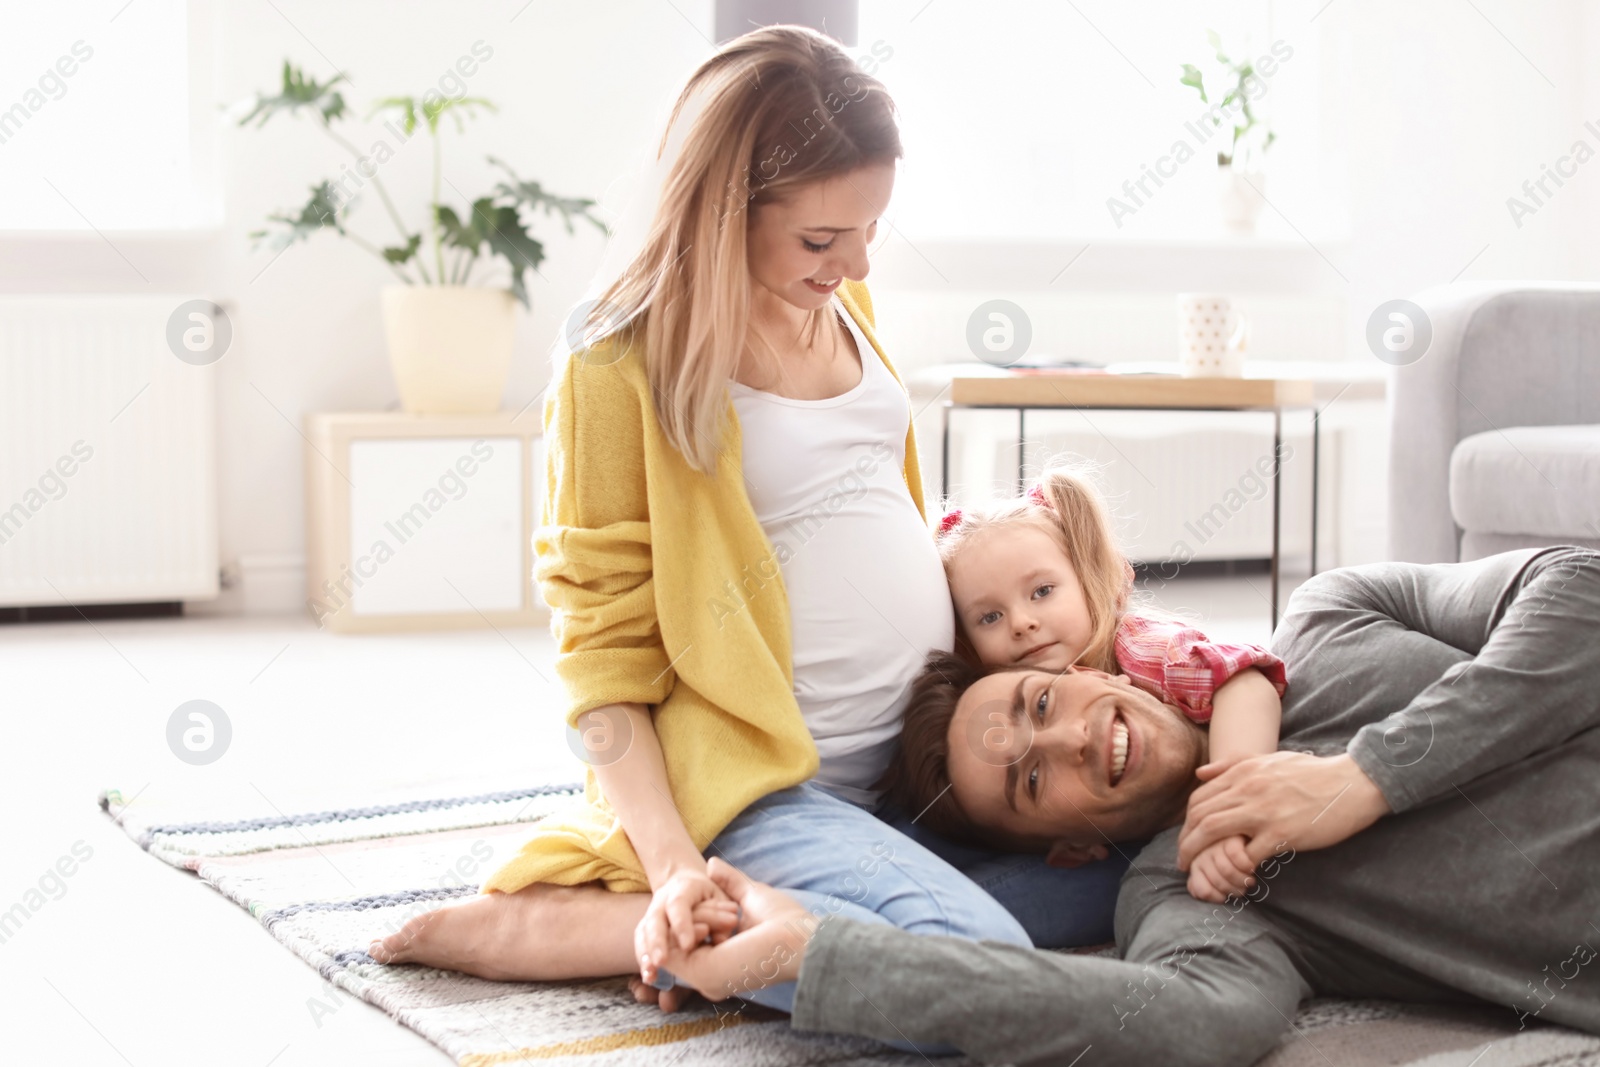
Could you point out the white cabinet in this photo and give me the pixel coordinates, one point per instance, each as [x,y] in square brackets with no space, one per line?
[418,521]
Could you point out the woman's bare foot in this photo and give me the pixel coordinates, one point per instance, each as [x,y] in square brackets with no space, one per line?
[540,933]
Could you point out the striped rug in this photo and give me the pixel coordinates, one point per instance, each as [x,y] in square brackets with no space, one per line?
[325,883]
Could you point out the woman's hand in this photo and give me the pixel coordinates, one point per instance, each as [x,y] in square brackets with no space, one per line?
[1283,798]
[669,921]
[768,948]
[714,921]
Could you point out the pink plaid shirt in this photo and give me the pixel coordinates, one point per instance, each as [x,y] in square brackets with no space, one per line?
[1180,665]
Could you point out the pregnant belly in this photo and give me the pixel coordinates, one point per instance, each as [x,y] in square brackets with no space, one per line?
[868,602]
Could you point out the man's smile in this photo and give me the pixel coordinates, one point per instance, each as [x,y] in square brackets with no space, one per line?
[1120,750]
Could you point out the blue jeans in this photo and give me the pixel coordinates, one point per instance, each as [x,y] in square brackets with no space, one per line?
[1059,907]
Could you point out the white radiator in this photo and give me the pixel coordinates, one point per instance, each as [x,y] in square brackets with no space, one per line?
[107,454]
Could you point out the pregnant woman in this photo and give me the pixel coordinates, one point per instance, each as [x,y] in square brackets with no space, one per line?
[743,578]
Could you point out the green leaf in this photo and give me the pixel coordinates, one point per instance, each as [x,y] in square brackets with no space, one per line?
[457,234]
[445,105]
[500,227]
[507,237]
[399,254]
[430,108]
[320,212]
[1192,76]
[1215,40]
[298,92]
[532,195]
[404,104]
[451,231]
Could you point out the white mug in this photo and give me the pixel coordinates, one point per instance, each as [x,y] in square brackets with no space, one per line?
[1213,336]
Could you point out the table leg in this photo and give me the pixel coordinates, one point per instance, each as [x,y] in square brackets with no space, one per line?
[1316,467]
[1022,446]
[1277,501]
[944,462]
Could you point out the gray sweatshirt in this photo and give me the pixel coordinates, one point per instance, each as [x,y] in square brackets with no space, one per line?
[1470,694]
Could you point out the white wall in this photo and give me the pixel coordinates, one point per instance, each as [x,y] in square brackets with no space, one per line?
[1439,119]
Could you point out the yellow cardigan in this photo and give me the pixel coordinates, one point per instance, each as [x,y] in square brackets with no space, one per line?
[635,559]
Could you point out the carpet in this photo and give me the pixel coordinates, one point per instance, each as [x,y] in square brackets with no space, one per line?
[324,883]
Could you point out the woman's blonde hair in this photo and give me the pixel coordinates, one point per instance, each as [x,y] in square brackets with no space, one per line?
[779,108]
[1068,506]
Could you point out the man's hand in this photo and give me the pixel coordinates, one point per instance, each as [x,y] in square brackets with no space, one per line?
[1306,802]
[768,948]
[1221,869]
[669,921]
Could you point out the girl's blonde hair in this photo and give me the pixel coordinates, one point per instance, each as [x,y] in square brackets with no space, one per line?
[780,107]
[1068,506]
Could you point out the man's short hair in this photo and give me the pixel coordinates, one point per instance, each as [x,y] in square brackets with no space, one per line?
[918,779]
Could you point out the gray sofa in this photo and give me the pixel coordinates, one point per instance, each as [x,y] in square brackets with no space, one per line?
[1495,430]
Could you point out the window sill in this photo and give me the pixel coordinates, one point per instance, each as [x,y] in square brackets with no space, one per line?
[196,235]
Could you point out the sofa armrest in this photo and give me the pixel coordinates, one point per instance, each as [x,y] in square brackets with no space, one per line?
[1465,384]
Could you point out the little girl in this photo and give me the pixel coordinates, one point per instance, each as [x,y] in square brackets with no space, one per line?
[1040,581]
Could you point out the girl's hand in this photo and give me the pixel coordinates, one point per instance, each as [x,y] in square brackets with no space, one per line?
[1283,798]
[670,919]
[1220,870]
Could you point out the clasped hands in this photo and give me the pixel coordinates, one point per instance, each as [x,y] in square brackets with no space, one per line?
[718,932]
[1253,808]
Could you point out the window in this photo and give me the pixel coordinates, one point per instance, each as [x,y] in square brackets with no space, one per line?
[106,119]
[1021,119]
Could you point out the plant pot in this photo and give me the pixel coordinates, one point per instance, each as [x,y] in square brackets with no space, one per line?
[449,346]
[1240,204]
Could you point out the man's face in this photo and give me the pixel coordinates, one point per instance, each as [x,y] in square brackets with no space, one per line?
[1078,756]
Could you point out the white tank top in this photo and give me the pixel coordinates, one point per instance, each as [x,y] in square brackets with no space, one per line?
[867,594]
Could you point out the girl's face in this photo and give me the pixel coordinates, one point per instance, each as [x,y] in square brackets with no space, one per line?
[803,246]
[1019,600]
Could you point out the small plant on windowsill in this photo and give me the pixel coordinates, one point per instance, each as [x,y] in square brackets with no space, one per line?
[1240,174]
[449,340]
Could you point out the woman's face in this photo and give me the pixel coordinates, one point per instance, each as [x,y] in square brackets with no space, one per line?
[803,246]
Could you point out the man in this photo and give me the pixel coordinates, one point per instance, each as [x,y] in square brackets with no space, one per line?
[1432,821]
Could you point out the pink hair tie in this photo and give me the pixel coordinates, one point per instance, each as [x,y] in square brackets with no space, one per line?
[1036,494]
[951,520]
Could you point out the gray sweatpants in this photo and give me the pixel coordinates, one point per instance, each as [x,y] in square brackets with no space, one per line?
[1470,693]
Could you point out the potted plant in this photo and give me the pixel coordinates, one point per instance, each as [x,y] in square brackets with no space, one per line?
[449,340]
[1240,179]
